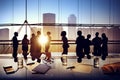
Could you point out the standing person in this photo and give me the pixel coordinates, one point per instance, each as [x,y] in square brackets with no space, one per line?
[97,45]
[15,46]
[87,46]
[65,48]
[65,43]
[80,46]
[104,46]
[33,46]
[38,47]
[47,46]
[25,43]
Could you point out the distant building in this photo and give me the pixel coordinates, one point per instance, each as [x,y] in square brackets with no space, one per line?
[49,18]
[4,34]
[55,31]
[72,29]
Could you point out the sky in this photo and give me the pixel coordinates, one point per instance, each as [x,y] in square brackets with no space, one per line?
[86,11]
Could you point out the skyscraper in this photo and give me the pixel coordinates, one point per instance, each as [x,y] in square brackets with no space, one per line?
[4,34]
[72,29]
[49,18]
[55,31]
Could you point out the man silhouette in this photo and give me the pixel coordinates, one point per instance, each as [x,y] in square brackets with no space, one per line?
[80,46]
[25,43]
[97,45]
[87,46]
[38,47]
[47,46]
[104,46]
[15,46]
[33,46]
[65,42]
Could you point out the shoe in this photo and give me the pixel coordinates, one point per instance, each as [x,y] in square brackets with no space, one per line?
[15,59]
[88,56]
[38,60]
[79,60]
[103,57]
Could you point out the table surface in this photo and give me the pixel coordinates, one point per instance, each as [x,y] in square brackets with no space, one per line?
[82,71]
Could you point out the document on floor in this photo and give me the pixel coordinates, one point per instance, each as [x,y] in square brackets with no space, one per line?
[84,68]
[41,68]
[9,69]
[38,68]
[30,67]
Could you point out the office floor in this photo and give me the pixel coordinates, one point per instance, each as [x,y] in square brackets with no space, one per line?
[82,71]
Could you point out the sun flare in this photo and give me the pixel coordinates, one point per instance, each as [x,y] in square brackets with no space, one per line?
[43,39]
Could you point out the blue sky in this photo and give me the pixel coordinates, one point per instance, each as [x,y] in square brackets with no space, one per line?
[86,11]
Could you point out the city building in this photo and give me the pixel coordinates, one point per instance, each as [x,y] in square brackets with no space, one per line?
[72,29]
[4,34]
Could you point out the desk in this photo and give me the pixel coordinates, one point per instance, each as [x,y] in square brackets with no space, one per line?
[59,72]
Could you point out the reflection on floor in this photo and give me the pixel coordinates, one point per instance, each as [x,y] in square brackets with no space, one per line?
[81,71]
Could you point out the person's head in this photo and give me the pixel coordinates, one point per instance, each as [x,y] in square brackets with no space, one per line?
[63,33]
[88,36]
[97,34]
[79,33]
[15,33]
[33,35]
[103,35]
[48,33]
[38,33]
[25,36]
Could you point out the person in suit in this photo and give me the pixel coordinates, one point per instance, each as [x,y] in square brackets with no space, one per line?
[15,46]
[65,43]
[65,47]
[87,46]
[97,45]
[38,47]
[25,43]
[47,46]
[33,46]
[80,46]
[104,47]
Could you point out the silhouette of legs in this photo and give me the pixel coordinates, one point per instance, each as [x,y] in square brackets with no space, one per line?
[15,54]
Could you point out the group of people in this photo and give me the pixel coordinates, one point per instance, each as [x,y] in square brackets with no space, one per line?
[83,45]
[35,46]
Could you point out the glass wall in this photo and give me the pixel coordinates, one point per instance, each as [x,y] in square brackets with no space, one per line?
[86,11]
[62,12]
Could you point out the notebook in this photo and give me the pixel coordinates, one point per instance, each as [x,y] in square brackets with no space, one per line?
[8,69]
[41,68]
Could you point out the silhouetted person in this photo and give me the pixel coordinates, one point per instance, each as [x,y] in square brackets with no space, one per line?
[33,46]
[15,46]
[97,45]
[25,43]
[47,46]
[104,46]
[65,43]
[87,46]
[80,46]
[65,46]
[38,47]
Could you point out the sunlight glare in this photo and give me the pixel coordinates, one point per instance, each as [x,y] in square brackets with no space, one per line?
[43,39]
